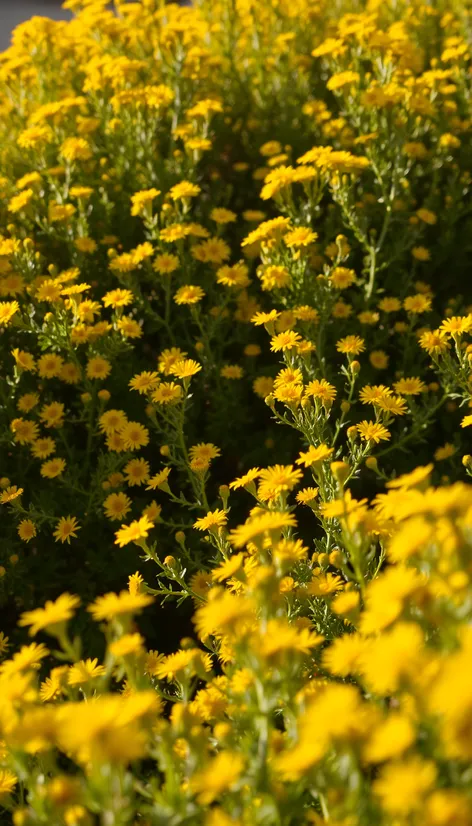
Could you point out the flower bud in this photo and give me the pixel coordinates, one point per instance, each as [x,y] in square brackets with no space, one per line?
[336,558]
[223,491]
[371,463]
[170,562]
[164,450]
[345,407]
[352,433]
[340,471]
[355,367]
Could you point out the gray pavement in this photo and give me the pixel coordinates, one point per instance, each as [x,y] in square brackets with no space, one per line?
[13,12]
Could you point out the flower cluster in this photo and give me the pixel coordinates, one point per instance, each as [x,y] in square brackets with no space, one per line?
[236,350]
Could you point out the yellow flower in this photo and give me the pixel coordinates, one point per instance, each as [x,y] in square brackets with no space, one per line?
[232,371]
[7,310]
[137,530]
[118,298]
[266,523]
[445,452]
[145,381]
[184,189]
[418,303]
[351,345]
[98,368]
[300,237]
[287,340]
[26,530]
[52,615]
[212,521]
[223,216]
[165,263]
[402,787]
[53,468]
[410,387]
[167,393]
[320,389]
[186,368]
[116,506]
[113,605]
[315,455]
[189,294]
[112,421]
[159,480]
[8,781]
[136,472]
[75,149]
[456,325]
[126,645]
[373,432]
[134,435]
[341,79]
[66,528]
[10,493]
[20,201]
[140,200]
[82,672]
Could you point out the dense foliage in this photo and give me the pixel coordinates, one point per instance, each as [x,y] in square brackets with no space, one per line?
[236,354]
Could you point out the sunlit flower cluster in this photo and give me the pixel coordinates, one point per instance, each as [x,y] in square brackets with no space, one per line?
[236,351]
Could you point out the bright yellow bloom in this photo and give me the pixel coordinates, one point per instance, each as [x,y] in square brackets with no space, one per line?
[52,615]
[66,528]
[139,529]
[212,521]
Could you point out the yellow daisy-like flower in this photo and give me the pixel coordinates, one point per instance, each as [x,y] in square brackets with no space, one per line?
[213,521]
[373,432]
[140,200]
[66,528]
[26,530]
[247,480]
[189,294]
[267,523]
[315,455]
[118,298]
[134,436]
[116,605]
[8,781]
[300,237]
[350,345]
[418,303]
[145,381]
[265,318]
[10,493]
[84,671]
[457,325]
[186,368]
[139,529]
[287,340]
[165,264]
[53,468]
[307,495]
[410,386]
[159,480]
[52,615]
[116,506]
[7,310]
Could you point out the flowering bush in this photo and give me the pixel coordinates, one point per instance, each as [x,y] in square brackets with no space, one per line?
[236,359]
